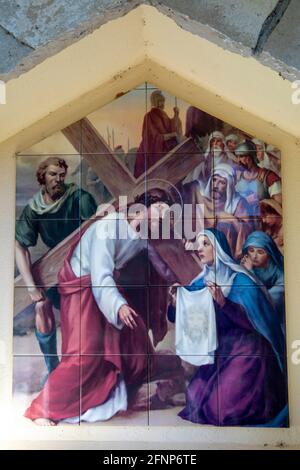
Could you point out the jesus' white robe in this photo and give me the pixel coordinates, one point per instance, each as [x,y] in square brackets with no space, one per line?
[108,244]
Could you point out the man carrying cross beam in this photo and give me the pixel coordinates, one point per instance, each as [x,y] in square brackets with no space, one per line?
[54,212]
[102,322]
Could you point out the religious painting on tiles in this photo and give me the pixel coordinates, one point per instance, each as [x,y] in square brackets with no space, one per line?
[149,283]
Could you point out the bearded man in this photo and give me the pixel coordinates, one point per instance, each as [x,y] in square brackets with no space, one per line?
[53,213]
[215,154]
[160,134]
[222,203]
[102,322]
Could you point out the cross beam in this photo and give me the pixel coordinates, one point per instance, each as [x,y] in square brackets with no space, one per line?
[114,174]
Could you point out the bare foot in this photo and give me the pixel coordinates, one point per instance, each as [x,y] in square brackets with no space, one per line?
[44,422]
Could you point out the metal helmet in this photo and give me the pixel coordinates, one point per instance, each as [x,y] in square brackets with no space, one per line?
[247,148]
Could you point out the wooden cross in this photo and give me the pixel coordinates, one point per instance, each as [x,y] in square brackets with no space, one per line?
[114,174]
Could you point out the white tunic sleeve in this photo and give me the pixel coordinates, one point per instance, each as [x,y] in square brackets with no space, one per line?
[275,188]
[102,264]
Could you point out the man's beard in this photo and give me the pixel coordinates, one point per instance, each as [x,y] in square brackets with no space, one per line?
[217,151]
[57,192]
[219,196]
[243,167]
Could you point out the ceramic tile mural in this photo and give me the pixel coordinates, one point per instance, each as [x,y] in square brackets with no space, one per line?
[149,279]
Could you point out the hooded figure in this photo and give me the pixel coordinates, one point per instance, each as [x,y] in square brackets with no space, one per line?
[274,156]
[271,274]
[271,215]
[233,202]
[232,141]
[241,379]
[215,154]
[262,156]
[220,200]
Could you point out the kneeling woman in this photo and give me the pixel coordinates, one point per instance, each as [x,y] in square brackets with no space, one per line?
[226,325]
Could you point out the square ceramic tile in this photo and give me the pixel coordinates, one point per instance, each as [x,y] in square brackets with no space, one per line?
[113,320]
[250,322]
[45,243]
[107,180]
[29,315]
[252,392]
[163,126]
[193,322]
[178,121]
[172,169]
[271,221]
[254,250]
[195,122]
[56,144]
[117,125]
[182,392]
[48,187]
[59,314]
[111,252]
[268,156]
[114,389]
[170,262]
[256,183]
[176,250]
[236,231]
[38,395]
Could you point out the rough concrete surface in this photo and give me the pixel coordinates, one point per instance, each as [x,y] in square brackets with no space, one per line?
[31,30]
[11,50]
[37,23]
[240,20]
[27,26]
[284,42]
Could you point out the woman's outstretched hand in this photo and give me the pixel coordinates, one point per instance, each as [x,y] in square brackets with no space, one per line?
[126,315]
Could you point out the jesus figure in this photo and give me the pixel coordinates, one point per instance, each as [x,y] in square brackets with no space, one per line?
[104,334]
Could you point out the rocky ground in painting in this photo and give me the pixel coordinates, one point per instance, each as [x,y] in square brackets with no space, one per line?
[163,394]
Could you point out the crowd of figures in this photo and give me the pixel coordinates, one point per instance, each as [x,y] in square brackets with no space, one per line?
[229,320]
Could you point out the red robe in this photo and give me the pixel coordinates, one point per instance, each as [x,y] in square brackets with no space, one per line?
[153,146]
[85,331]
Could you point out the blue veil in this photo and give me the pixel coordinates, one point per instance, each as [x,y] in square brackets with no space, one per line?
[273,273]
[255,302]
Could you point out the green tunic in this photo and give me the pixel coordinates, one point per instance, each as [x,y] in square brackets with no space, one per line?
[54,227]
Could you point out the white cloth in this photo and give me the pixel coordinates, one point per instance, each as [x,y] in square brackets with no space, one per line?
[117,401]
[275,188]
[196,334]
[108,244]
